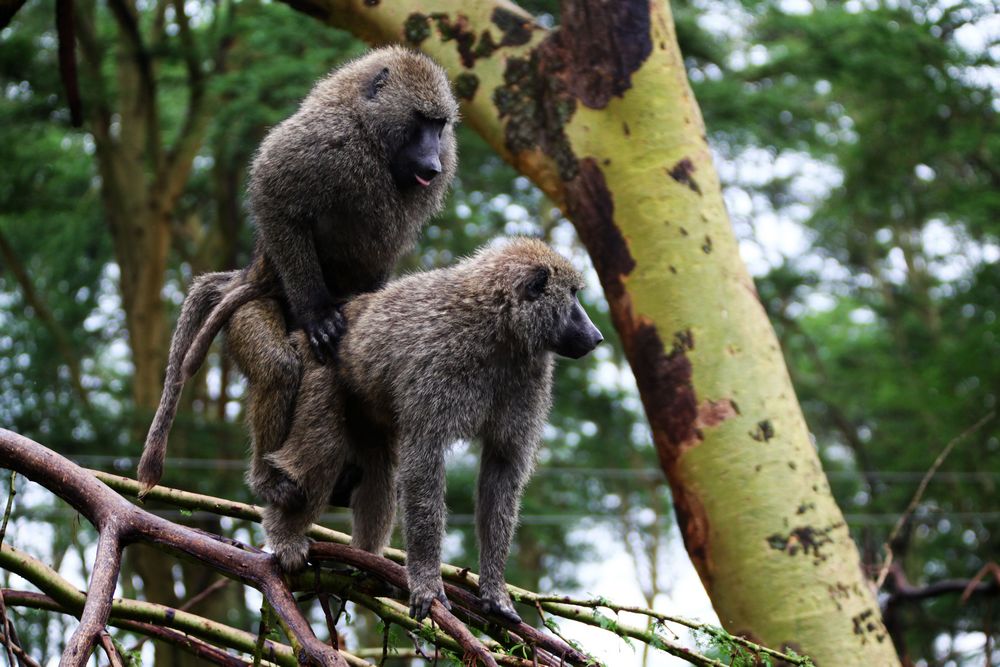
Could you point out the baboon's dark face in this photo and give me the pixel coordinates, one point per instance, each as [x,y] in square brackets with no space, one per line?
[551,292]
[577,335]
[413,113]
[418,161]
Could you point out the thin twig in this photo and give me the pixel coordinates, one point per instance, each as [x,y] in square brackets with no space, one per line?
[8,634]
[23,658]
[110,650]
[989,568]
[386,626]
[262,632]
[904,517]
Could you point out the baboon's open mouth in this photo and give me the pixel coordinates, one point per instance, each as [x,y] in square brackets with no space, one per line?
[421,181]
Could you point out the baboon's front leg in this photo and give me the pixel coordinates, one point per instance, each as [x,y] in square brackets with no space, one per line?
[423,485]
[503,472]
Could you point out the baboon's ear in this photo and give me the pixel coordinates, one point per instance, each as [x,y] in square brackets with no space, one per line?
[378,83]
[533,287]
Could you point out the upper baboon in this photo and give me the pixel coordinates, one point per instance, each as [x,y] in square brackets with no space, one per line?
[460,352]
[339,192]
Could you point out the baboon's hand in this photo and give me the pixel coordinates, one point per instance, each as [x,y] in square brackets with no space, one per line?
[500,605]
[422,596]
[324,329]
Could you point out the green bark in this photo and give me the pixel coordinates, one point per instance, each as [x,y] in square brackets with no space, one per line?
[599,114]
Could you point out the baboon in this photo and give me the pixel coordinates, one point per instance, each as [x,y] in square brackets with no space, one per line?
[460,352]
[339,192]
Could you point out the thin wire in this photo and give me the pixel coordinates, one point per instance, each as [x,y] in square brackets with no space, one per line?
[126,462]
[344,518]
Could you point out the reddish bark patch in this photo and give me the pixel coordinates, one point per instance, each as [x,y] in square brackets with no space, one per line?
[460,31]
[589,59]
[682,173]
[605,43]
[592,208]
[536,104]
[713,413]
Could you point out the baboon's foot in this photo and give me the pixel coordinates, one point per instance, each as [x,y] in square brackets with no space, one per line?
[423,594]
[291,553]
[499,604]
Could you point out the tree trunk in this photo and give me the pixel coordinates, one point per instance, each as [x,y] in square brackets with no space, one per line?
[599,114]
[141,180]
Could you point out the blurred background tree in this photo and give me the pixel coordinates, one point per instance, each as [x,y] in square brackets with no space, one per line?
[858,146]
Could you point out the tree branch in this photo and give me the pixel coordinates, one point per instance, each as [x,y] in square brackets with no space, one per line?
[905,516]
[97,608]
[120,523]
[904,591]
[186,642]
[71,601]
[458,593]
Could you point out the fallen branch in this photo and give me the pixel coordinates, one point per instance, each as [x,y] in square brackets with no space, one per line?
[120,523]
[186,642]
[905,516]
[71,601]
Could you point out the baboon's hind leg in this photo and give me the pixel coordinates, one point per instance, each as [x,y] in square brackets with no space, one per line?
[257,340]
[313,457]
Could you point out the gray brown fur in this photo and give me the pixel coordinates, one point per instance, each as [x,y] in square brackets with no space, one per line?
[461,352]
[331,222]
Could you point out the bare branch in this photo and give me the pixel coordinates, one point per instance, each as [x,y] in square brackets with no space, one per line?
[96,610]
[904,591]
[23,659]
[182,640]
[905,516]
[466,601]
[119,523]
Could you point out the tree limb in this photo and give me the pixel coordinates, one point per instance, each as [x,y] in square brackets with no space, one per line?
[334,544]
[120,523]
[186,642]
[919,493]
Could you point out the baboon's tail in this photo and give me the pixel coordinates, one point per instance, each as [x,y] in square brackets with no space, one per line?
[197,348]
[206,291]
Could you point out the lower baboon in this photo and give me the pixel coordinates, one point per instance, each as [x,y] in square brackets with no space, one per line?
[461,352]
